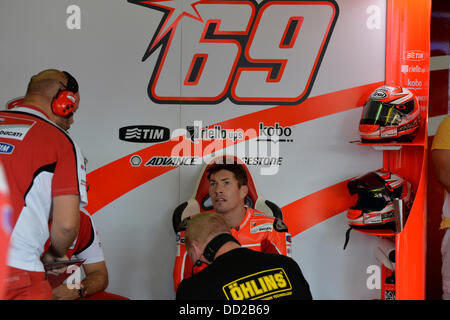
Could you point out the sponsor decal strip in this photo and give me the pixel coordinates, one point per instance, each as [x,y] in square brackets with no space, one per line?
[115,179]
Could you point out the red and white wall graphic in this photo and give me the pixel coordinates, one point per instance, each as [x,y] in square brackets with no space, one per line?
[280,84]
[247,52]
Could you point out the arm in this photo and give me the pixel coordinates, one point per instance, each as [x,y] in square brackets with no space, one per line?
[96,280]
[180,260]
[441,163]
[96,277]
[66,222]
[278,240]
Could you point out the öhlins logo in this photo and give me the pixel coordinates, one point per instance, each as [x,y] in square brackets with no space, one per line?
[268,284]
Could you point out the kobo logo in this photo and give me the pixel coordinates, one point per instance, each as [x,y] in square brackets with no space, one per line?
[248,52]
[275,133]
[144,134]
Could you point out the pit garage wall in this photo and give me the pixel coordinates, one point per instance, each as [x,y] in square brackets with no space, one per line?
[132,60]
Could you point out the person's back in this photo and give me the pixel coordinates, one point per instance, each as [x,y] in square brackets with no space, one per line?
[47,179]
[244,274]
[40,163]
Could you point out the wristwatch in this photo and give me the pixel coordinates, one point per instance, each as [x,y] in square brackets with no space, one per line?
[82,291]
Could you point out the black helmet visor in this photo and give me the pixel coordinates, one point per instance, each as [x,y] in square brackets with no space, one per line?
[383,114]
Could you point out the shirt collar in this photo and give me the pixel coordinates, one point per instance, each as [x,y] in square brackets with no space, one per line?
[244,221]
[32,110]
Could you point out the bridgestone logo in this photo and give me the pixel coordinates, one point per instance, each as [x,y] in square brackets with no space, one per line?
[144,134]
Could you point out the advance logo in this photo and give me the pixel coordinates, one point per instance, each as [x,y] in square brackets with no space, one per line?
[144,134]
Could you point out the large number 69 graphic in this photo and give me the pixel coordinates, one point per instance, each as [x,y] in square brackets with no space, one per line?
[251,54]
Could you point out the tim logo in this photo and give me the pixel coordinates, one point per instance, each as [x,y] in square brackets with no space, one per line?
[248,52]
[144,134]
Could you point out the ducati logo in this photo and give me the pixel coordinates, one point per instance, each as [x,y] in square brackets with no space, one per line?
[248,52]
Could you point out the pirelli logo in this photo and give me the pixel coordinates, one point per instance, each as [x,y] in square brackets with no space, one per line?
[264,285]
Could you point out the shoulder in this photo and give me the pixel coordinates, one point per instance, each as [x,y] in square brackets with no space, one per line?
[446,121]
[441,139]
[190,288]
[444,127]
[264,259]
[258,218]
[38,129]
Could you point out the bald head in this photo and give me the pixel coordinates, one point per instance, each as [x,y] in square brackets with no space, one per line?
[201,229]
[46,83]
[43,88]
[205,226]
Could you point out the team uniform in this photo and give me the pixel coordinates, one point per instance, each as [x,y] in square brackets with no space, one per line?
[41,161]
[244,274]
[442,141]
[87,247]
[257,231]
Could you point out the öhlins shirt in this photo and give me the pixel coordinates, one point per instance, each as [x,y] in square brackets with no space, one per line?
[244,274]
[257,231]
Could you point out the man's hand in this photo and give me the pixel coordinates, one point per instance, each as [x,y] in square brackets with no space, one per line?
[63,292]
[50,257]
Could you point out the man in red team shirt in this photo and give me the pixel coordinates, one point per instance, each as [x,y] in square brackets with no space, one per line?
[253,229]
[87,247]
[47,180]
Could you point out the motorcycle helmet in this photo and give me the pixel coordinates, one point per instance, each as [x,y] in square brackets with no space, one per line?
[390,114]
[374,208]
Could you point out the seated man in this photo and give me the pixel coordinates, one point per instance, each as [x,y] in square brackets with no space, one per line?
[233,272]
[253,229]
[87,247]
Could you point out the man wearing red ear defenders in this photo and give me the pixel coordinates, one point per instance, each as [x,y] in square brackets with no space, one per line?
[47,179]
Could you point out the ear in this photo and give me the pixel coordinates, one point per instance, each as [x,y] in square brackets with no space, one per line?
[243,191]
[194,251]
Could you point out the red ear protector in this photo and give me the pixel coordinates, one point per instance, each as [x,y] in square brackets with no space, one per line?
[64,102]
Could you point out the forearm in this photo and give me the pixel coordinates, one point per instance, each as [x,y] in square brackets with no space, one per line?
[95,282]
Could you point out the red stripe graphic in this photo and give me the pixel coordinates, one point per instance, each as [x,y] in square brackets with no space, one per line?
[306,212]
[115,179]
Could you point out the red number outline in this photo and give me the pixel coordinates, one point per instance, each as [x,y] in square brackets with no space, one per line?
[304,94]
[204,39]
[243,61]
